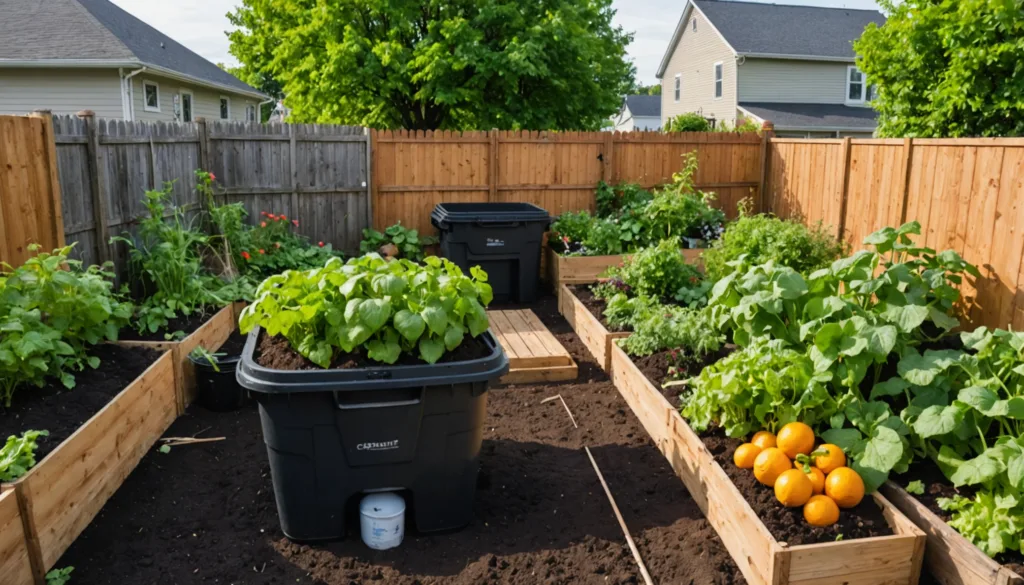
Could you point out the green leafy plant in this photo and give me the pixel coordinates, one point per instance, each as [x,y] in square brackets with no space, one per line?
[59,576]
[18,455]
[992,519]
[662,272]
[201,353]
[915,487]
[613,200]
[272,246]
[374,306]
[408,241]
[666,327]
[680,211]
[688,122]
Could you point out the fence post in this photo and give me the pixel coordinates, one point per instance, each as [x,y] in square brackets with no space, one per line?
[204,145]
[97,185]
[294,171]
[908,159]
[50,154]
[767,132]
[846,189]
[492,166]
[369,177]
[607,169]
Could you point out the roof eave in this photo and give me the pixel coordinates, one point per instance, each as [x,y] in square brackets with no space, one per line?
[115,63]
[678,34]
[798,57]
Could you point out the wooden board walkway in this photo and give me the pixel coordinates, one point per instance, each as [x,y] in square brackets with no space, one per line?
[534,354]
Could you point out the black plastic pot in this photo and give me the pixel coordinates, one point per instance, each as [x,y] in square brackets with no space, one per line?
[218,391]
[333,434]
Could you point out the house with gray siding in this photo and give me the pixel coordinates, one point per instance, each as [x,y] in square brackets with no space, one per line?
[72,55]
[791,65]
[638,112]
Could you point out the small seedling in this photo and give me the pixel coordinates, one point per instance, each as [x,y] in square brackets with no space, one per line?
[201,353]
[59,576]
[915,487]
[165,449]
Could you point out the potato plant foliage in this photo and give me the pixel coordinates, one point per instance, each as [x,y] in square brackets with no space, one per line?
[373,305]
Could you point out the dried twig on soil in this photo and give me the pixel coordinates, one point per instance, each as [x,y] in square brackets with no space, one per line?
[178,441]
[559,396]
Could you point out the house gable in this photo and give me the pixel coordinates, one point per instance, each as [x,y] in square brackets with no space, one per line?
[693,60]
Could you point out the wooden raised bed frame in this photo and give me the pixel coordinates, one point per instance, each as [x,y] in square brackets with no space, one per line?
[211,335]
[592,333]
[15,566]
[587,269]
[885,560]
[950,558]
[61,495]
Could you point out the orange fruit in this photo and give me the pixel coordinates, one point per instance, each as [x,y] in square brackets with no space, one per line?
[821,511]
[745,454]
[795,438]
[770,464]
[832,458]
[793,488]
[763,439]
[814,474]
[845,486]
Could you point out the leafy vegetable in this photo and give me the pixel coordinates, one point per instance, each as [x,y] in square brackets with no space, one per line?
[915,487]
[408,241]
[662,272]
[613,200]
[59,576]
[372,305]
[18,455]
[661,327]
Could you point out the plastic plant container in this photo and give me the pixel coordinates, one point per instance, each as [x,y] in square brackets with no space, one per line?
[332,435]
[502,238]
[218,391]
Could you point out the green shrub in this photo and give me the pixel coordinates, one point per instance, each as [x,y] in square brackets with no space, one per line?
[680,211]
[660,272]
[613,200]
[689,122]
[408,241]
[763,238]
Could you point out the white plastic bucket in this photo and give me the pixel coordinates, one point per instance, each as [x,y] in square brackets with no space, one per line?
[382,520]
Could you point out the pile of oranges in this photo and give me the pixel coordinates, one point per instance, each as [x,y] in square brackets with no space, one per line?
[816,479]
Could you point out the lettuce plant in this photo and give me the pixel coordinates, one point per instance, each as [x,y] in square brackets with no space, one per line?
[374,306]
[18,455]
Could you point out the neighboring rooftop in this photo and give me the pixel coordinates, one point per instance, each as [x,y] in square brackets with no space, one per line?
[814,116]
[648,106]
[97,30]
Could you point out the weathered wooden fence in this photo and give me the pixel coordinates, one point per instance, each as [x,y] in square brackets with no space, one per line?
[968,195]
[414,171]
[30,195]
[315,174]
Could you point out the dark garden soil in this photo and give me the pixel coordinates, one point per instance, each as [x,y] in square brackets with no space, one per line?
[595,305]
[655,367]
[277,353]
[233,346]
[186,325]
[205,513]
[60,411]
[937,486]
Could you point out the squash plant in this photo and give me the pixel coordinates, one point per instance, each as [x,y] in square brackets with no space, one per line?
[374,306]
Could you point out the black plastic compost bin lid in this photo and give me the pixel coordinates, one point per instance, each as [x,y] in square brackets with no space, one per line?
[449,213]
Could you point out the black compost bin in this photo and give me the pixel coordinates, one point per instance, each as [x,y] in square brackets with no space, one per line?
[502,238]
[217,388]
[333,434]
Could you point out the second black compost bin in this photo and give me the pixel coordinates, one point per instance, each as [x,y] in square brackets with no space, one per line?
[334,434]
[502,238]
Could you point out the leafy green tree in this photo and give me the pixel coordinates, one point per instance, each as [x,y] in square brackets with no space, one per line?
[648,89]
[947,67]
[439,64]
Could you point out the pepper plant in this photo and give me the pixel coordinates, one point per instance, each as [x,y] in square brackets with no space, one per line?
[374,306]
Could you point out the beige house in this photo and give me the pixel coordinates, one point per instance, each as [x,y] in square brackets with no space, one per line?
[791,65]
[72,55]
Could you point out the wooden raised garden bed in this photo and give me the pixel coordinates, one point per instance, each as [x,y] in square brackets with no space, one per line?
[885,560]
[587,269]
[950,558]
[593,334]
[212,334]
[15,567]
[60,496]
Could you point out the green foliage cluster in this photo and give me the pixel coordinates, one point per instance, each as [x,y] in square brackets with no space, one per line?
[52,311]
[946,68]
[661,272]
[18,455]
[688,122]
[439,64]
[370,304]
[763,238]
[661,327]
[59,576]
[408,241]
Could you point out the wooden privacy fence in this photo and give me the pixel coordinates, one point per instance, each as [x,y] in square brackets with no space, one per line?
[30,194]
[414,170]
[316,174]
[968,195]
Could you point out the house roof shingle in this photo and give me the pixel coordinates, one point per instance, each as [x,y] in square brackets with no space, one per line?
[814,116]
[644,105]
[97,30]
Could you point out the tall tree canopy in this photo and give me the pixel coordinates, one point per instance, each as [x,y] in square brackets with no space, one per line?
[947,67]
[439,64]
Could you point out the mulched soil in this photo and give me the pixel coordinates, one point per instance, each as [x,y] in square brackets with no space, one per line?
[595,305]
[234,344]
[205,513]
[60,411]
[187,325]
[277,353]
[937,486]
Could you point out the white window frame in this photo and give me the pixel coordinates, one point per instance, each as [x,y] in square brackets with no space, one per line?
[718,85]
[693,24]
[255,113]
[863,86]
[145,102]
[228,100]
[192,102]
[677,93]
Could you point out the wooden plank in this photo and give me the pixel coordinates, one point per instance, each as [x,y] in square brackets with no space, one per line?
[97,188]
[518,350]
[70,485]
[15,565]
[588,327]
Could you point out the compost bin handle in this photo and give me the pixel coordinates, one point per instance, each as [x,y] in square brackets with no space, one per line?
[379,403]
[499,224]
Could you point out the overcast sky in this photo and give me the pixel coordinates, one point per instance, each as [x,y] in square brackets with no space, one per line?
[200,25]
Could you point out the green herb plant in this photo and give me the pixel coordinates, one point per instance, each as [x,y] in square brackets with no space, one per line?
[370,305]
[18,455]
[662,272]
[59,576]
[408,241]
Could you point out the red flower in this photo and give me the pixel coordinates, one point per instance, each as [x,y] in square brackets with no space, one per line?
[272,216]
[213,177]
[264,213]
[263,224]
[262,251]
[295,222]
[284,218]
[246,255]
[321,244]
